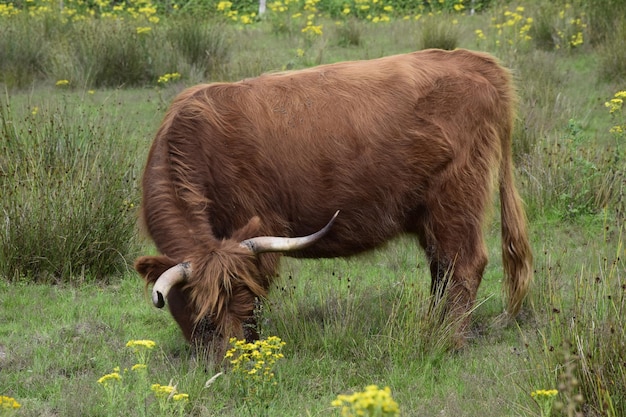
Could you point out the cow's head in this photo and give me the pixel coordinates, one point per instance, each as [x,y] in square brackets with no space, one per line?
[213,294]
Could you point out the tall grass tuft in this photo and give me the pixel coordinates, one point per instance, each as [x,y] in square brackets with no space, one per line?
[569,177]
[603,16]
[23,53]
[202,45]
[68,185]
[581,348]
[114,54]
[613,54]
[349,33]
[437,32]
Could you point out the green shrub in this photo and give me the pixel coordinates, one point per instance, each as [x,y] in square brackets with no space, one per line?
[613,55]
[68,200]
[114,53]
[202,45]
[23,52]
[349,33]
[581,349]
[570,176]
[603,17]
[439,32]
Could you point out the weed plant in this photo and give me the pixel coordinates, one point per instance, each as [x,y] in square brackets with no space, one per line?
[69,195]
[439,32]
[24,51]
[580,341]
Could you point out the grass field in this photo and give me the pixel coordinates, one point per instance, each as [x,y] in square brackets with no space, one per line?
[72,153]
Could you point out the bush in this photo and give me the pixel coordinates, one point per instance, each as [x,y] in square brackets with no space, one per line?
[202,45]
[613,55]
[68,196]
[23,53]
[603,16]
[114,54]
[439,33]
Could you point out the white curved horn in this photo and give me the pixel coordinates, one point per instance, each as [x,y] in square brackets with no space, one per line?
[174,275]
[263,244]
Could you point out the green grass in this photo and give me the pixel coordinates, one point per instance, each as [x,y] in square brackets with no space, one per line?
[346,323]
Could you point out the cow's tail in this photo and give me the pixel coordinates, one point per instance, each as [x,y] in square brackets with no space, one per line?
[516,250]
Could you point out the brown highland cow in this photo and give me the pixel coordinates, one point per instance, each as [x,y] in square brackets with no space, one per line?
[409,144]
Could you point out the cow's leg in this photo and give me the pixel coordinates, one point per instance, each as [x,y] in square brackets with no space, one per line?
[451,235]
[457,267]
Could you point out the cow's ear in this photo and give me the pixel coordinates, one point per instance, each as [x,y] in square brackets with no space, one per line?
[151,267]
[251,229]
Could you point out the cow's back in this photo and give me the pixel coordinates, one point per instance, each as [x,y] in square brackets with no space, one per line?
[364,137]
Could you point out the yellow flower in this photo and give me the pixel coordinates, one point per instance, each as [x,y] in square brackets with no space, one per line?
[162,391]
[113,376]
[143,29]
[181,397]
[366,403]
[147,344]
[620,94]
[224,5]
[166,78]
[614,105]
[8,403]
[255,361]
[544,393]
[61,83]
[139,367]
[313,29]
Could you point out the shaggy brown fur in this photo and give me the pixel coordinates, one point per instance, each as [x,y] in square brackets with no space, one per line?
[410,143]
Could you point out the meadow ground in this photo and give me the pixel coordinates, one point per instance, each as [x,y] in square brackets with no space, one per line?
[69,301]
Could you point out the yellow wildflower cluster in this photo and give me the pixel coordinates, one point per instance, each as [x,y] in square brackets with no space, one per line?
[281,6]
[142,349]
[167,391]
[615,106]
[110,378]
[514,26]
[226,8]
[143,29]
[371,402]
[544,399]
[166,78]
[137,345]
[255,361]
[139,367]
[542,393]
[169,399]
[510,29]
[375,11]
[75,10]
[312,29]
[8,403]
[8,10]
[569,28]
